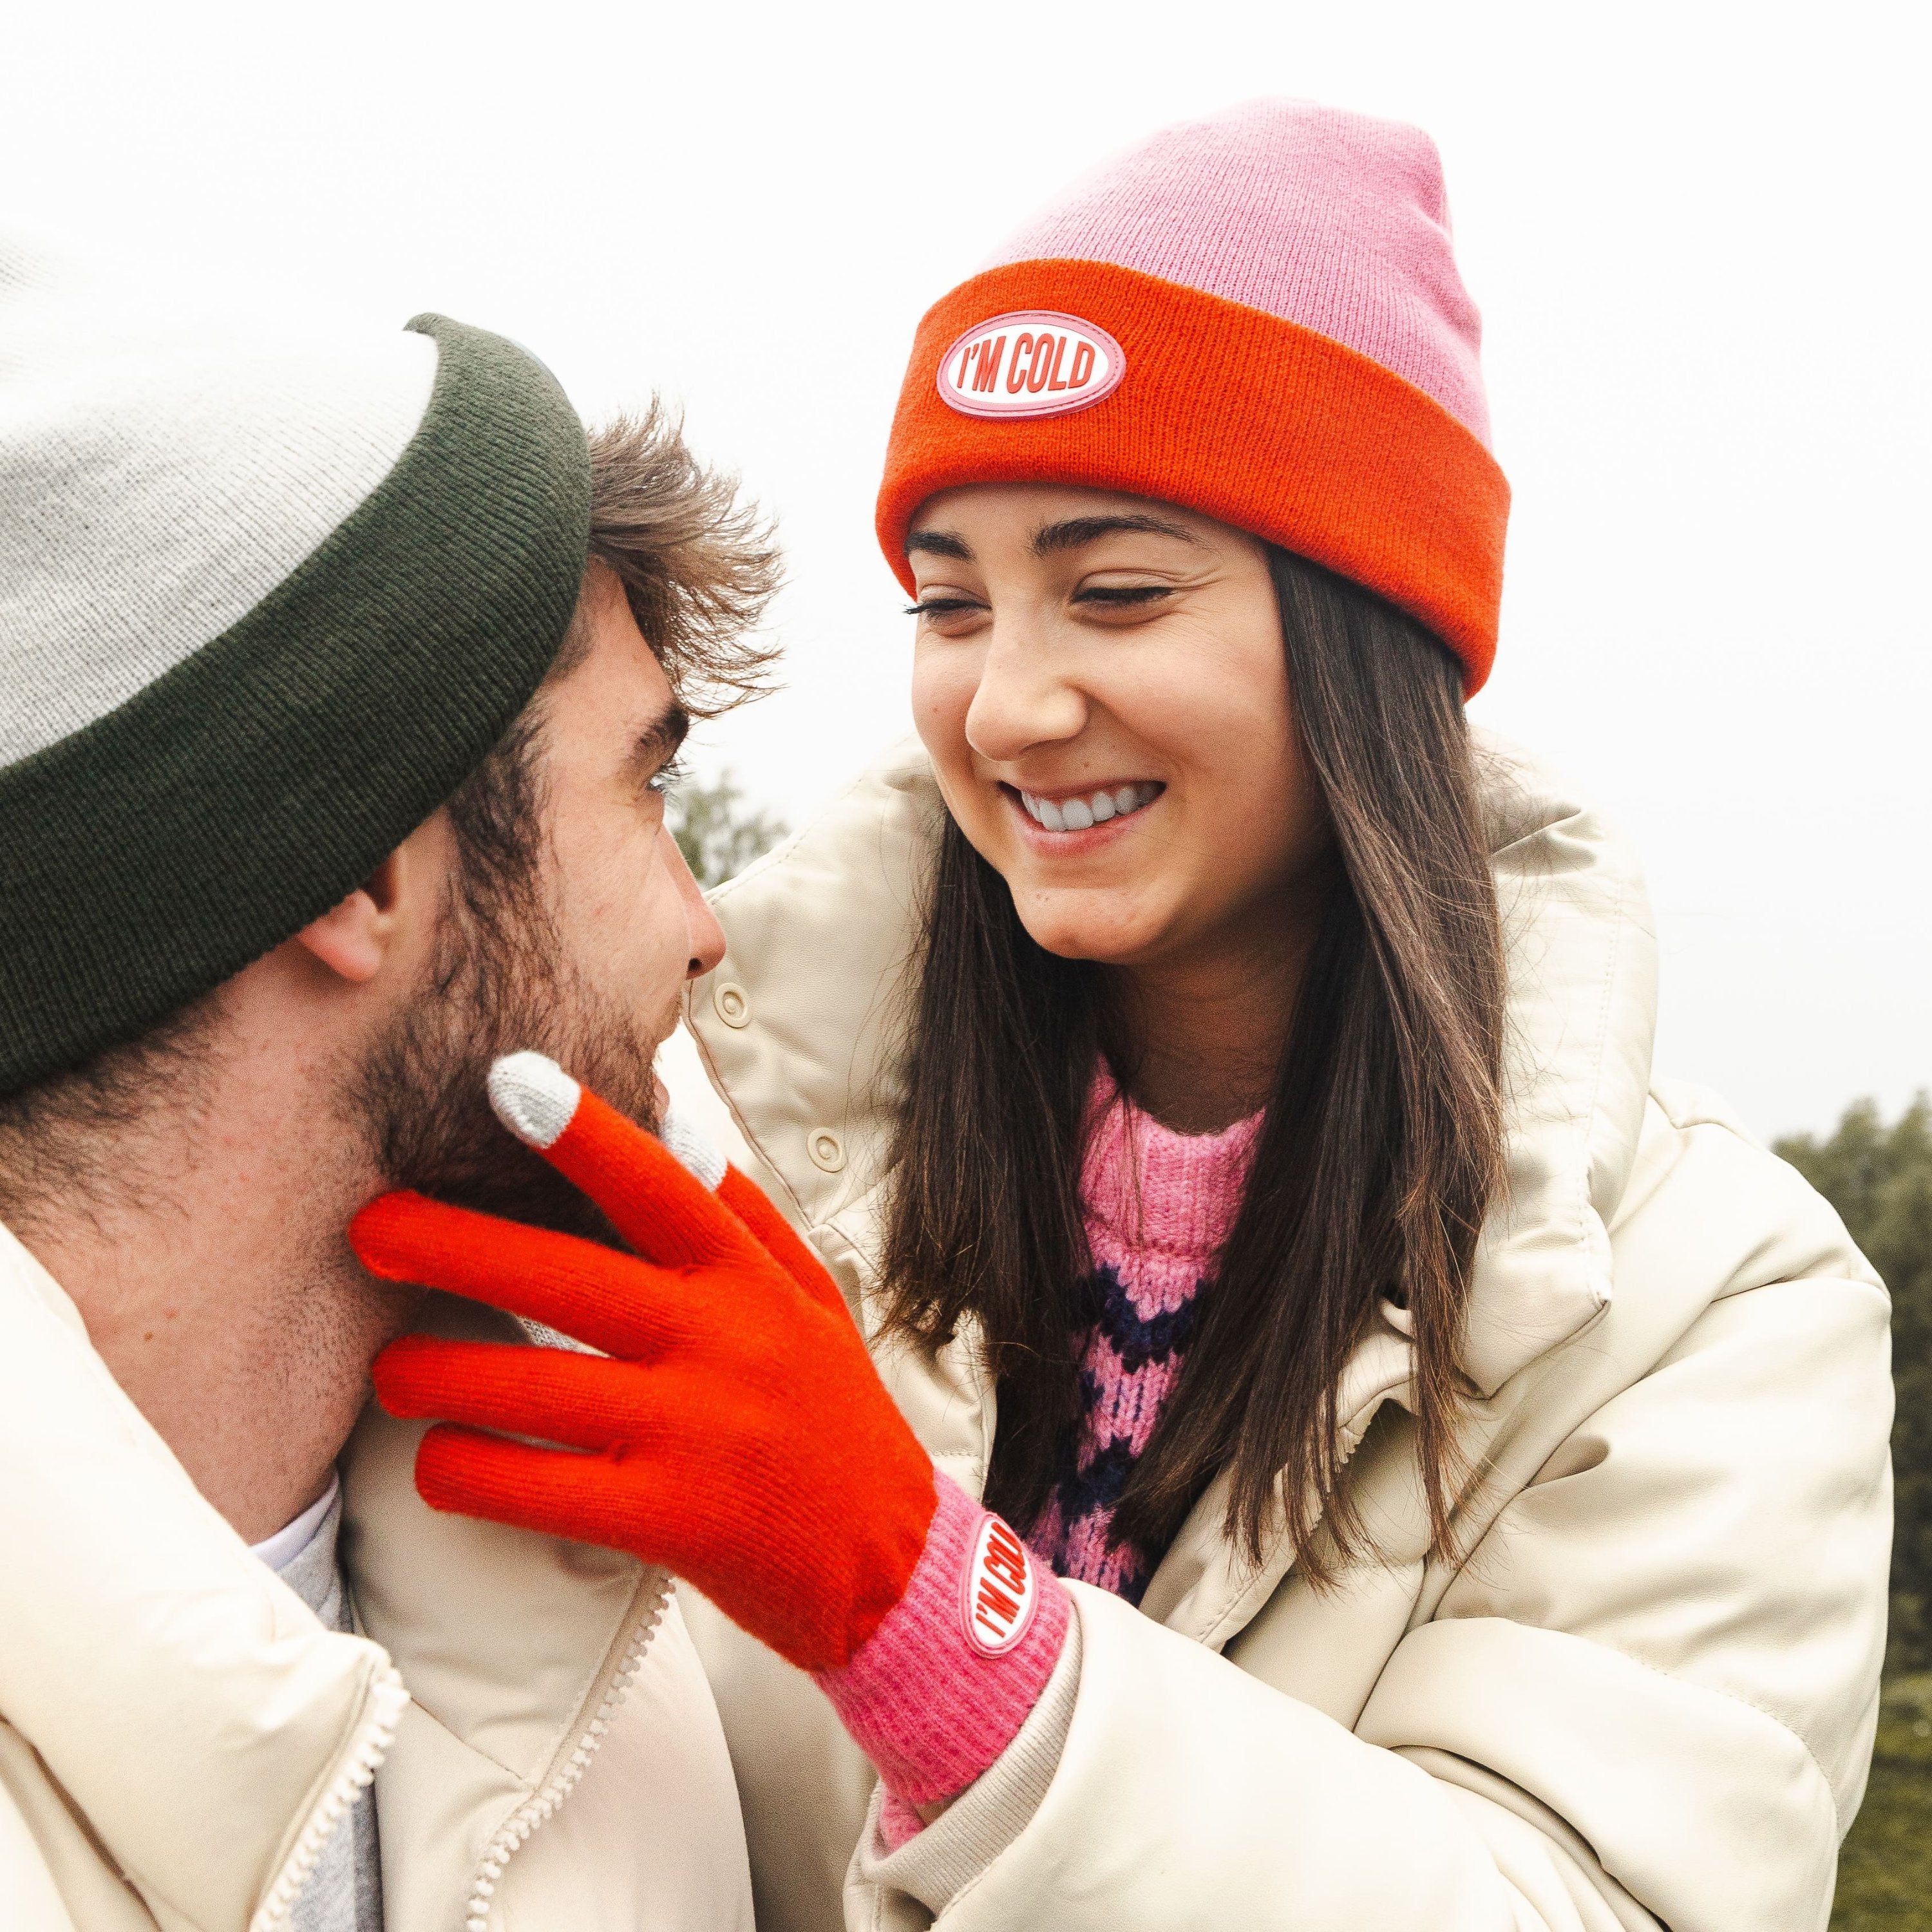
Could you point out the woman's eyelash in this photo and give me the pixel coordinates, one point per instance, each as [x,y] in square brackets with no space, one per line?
[1137,593]
[1127,594]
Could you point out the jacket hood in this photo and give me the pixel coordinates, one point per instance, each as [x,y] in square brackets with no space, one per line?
[1580,949]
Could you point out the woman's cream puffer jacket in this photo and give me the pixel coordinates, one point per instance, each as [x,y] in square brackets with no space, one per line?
[1644,1696]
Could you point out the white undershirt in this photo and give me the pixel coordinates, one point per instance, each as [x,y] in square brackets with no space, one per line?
[344,1893]
[292,1538]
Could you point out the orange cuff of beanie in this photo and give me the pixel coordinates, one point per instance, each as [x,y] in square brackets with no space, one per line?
[1227,409]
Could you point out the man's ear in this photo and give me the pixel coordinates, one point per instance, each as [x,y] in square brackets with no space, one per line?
[353,938]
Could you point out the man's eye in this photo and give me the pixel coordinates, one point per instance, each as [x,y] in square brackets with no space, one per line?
[670,776]
[941,606]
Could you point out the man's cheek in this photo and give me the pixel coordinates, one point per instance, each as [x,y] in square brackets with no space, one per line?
[654,943]
[617,885]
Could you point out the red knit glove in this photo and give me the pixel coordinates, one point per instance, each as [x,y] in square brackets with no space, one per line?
[738,1434]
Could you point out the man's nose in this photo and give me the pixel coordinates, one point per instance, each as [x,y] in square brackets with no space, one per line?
[1025,697]
[705,937]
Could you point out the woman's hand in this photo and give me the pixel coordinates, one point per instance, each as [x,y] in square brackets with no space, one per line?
[734,1429]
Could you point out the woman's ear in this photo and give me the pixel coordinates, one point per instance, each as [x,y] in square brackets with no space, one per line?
[353,938]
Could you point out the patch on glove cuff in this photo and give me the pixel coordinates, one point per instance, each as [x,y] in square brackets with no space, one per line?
[1001,1590]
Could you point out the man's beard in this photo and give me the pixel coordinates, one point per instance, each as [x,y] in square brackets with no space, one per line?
[500,982]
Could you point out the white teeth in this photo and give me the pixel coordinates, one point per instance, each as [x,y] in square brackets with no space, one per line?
[1078,814]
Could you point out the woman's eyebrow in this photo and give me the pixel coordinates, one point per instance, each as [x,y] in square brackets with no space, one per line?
[939,543]
[1074,532]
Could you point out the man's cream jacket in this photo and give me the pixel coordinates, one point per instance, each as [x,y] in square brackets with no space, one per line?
[1644,1693]
[177,1732]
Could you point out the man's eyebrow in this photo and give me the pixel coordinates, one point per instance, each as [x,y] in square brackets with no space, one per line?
[939,543]
[1074,531]
[657,743]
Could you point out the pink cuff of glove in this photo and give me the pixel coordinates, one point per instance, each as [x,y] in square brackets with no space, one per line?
[899,1824]
[942,1687]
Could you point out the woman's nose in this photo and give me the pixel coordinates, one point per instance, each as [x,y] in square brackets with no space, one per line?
[1024,698]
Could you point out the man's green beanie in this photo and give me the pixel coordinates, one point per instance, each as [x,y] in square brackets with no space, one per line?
[266,599]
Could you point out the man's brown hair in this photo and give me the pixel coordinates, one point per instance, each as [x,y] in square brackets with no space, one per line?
[698,564]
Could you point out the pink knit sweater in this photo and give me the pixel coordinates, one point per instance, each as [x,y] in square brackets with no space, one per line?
[923,1698]
[1159,1206]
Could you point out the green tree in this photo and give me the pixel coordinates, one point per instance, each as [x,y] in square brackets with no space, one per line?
[718,830]
[1879,1179]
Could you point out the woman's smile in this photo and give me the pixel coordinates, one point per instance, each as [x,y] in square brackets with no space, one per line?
[1056,818]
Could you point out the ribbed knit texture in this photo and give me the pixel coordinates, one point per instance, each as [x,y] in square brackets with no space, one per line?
[1000,1804]
[1299,358]
[355,563]
[1334,220]
[1158,1207]
[739,1436]
[930,1709]
[213,459]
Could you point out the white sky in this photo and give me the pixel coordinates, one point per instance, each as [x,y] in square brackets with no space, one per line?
[1698,233]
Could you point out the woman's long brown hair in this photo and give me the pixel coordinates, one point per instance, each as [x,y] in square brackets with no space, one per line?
[1376,1162]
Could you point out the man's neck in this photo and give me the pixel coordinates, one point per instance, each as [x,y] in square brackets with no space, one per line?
[216,1280]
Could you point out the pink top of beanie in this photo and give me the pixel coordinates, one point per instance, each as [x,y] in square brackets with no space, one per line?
[1336,221]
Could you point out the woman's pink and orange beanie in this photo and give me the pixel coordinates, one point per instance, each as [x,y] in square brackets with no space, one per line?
[1257,316]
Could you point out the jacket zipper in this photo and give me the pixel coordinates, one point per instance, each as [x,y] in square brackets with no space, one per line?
[543,1804]
[376,1733]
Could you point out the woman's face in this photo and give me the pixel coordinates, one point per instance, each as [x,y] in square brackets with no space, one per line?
[1100,681]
